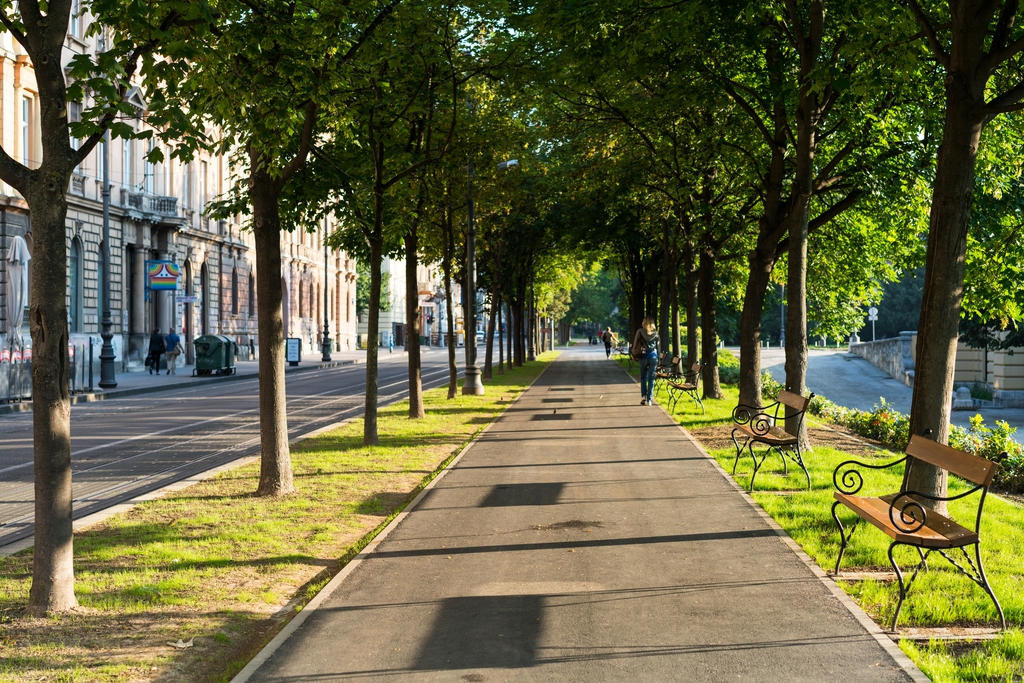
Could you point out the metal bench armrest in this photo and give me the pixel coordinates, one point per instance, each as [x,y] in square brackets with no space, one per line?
[851,479]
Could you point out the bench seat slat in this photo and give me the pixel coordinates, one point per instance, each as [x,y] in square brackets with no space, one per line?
[775,436]
[938,532]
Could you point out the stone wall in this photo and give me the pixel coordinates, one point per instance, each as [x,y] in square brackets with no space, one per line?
[894,355]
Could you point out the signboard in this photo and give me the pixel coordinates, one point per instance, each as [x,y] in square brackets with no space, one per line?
[162,275]
[28,355]
[293,350]
[189,299]
[872,314]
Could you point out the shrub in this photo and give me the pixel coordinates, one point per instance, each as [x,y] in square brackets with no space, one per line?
[728,367]
[893,429]
[769,387]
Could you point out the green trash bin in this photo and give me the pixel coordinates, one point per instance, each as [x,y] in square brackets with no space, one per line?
[215,355]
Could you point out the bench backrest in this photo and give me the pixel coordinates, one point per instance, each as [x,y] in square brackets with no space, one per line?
[695,370]
[794,401]
[970,467]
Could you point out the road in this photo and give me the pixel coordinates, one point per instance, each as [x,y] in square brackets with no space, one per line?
[853,382]
[124,447]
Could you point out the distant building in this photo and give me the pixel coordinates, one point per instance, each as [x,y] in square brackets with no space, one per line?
[156,213]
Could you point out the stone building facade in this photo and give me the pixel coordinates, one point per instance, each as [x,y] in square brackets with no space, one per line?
[157,213]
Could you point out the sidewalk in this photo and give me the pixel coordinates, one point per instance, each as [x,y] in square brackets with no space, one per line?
[583,537]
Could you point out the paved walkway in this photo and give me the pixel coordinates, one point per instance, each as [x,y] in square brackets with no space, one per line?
[582,538]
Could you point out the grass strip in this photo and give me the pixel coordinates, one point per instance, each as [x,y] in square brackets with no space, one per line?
[214,566]
[941,596]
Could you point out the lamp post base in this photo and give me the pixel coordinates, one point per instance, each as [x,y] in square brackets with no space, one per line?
[325,350]
[107,356]
[472,386]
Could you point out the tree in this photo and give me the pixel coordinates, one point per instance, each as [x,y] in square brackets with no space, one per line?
[40,29]
[979,48]
[261,77]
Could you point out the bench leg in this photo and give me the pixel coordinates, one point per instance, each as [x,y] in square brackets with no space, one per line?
[800,461]
[984,584]
[905,585]
[903,588]
[697,402]
[757,463]
[844,535]
[739,450]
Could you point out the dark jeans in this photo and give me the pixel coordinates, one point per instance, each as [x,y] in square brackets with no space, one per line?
[648,366]
[608,349]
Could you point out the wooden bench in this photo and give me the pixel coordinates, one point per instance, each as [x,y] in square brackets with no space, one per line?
[908,521]
[688,385]
[668,369]
[760,426]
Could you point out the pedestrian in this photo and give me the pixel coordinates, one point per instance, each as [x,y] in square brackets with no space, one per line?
[157,346]
[172,344]
[252,349]
[645,351]
[391,343]
[608,337]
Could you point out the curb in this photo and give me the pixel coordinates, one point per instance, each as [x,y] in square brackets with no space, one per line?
[26,406]
[881,637]
[293,625]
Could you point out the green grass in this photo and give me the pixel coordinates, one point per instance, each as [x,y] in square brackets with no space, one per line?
[941,597]
[214,563]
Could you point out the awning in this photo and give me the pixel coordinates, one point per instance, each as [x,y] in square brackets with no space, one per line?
[426,304]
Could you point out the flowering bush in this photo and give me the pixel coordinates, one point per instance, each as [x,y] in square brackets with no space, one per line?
[893,428]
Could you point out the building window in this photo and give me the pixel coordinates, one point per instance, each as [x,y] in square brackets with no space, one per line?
[76,18]
[302,303]
[203,185]
[126,162]
[148,166]
[26,130]
[75,266]
[186,186]
[252,295]
[234,291]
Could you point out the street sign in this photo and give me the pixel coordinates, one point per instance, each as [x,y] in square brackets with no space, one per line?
[872,311]
[293,351]
[190,299]
[872,318]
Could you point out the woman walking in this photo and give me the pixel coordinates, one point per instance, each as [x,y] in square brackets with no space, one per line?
[645,350]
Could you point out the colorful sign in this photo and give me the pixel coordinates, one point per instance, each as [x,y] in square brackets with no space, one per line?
[28,355]
[5,356]
[163,275]
[16,356]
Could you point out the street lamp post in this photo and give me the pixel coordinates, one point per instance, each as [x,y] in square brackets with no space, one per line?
[107,379]
[326,341]
[473,385]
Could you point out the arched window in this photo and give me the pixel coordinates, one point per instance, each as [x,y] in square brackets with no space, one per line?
[234,291]
[75,266]
[252,295]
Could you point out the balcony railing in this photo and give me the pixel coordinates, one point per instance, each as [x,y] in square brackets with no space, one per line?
[150,203]
[78,185]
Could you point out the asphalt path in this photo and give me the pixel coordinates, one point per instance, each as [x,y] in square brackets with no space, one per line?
[124,447]
[583,537]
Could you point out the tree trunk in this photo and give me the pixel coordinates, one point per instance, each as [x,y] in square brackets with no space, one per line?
[750,328]
[690,280]
[275,457]
[501,347]
[709,326]
[412,324]
[509,334]
[370,437]
[449,301]
[521,327]
[677,337]
[489,350]
[943,282]
[796,282]
[53,579]
[667,266]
